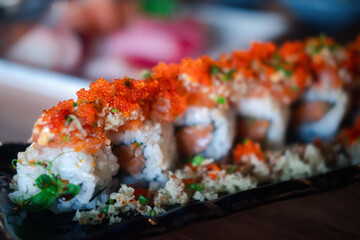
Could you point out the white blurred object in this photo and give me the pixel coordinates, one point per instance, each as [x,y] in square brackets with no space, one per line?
[108,67]
[50,48]
[25,92]
[235,28]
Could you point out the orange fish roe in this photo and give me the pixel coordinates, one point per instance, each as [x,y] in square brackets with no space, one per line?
[350,136]
[294,52]
[122,95]
[172,96]
[75,124]
[55,116]
[262,51]
[198,70]
[249,147]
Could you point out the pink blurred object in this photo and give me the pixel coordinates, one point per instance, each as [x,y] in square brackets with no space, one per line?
[50,48]
[145,42]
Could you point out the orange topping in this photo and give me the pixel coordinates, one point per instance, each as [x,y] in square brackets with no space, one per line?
[198,70]
[213,167]
[248,148]
[212,175]
[56,116]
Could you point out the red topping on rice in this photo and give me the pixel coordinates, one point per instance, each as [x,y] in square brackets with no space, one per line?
[246,149]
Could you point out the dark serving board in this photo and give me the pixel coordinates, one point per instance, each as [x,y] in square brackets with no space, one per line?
[17,224]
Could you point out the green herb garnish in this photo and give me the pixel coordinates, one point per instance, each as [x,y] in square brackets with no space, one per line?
[75,104]
[94,125]
[111,201]
[245,141]
[146,75]
[197,160]
[152,213]
[127,83]
[51,188]
[228,75]
[13,163]
[66,138]
[68,119]
[220,100]
[143,200]
[231,169]
[193,186]
[286,72]
[214,69]
[105,209]
[114,110]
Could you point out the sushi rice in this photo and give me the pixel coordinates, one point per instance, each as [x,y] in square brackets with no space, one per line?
[93,172]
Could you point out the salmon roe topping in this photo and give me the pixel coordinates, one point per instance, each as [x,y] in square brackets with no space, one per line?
[56,116]
[198,70]
[249,147]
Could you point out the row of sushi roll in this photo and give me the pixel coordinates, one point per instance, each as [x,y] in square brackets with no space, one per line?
[196,111]
[203,179]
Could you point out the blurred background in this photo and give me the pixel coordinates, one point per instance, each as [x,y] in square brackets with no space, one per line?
[51,48]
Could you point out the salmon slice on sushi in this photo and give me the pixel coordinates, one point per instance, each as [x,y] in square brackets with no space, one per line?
[320,111]
[265,83]
[206,127]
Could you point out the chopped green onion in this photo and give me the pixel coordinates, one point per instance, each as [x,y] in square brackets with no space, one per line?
[94,125]
[114,110]
[105,209]
[231,169]
[75,104]
[66,138]
[146,75]
[127,83]
[220,100]
[286,72]
[139,144]
[152,213]
[197,160]
[277,57]
[111,201]
[13,163]
[194,186]
[68,119]
[214,69]
[143,200]
[227,76]
[245,141]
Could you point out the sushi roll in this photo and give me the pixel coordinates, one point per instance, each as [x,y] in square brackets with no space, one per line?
[206,127]
[145,153]
[270,83]
[145,144]
[70,164]
[323,106]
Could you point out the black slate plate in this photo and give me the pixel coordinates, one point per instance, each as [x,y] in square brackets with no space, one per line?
[45,225]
